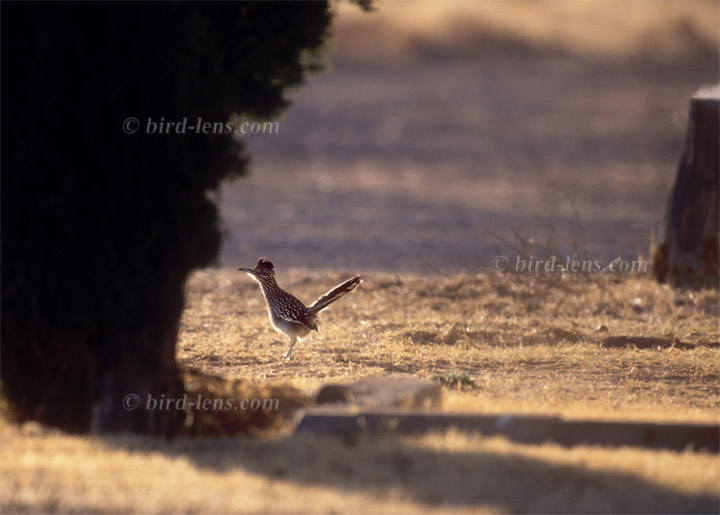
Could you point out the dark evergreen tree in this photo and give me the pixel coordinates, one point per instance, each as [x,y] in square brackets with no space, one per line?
[101,228]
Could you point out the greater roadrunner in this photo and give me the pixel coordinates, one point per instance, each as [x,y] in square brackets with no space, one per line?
[287,314]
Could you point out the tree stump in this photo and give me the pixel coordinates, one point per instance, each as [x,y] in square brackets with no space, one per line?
[689,254]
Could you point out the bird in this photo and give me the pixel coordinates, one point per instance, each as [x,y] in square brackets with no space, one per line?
[287,313]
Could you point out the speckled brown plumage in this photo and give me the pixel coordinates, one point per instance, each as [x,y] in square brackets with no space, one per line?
[287,313]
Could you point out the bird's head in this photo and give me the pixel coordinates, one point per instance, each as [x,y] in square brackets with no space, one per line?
[263,270]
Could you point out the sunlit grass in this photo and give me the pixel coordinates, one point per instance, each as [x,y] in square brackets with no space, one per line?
[47,471]
[606,29]
[530,344]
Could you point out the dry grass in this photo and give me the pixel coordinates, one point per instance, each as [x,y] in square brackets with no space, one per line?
[606,29]
[45,471]
[530,344]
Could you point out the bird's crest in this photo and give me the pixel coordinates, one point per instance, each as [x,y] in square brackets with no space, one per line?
[264,264]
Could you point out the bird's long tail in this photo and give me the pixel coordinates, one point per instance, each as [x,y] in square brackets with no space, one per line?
[333,295]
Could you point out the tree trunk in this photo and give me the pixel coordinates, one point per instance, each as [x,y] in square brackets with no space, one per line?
[85,374]
[130,391]
[689,254]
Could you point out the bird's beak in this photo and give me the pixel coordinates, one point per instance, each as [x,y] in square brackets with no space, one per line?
[247,270]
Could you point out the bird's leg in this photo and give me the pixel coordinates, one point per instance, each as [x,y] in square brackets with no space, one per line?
[288,354]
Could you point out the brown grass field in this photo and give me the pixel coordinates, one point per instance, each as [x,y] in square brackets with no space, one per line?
[530,345]
[540,105]
[618,30]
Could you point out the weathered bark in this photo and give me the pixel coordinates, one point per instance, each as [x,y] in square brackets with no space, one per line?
[689,254]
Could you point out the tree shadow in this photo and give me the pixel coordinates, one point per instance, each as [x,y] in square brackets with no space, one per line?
[506,481]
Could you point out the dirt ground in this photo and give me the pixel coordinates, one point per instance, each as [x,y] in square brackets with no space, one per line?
[423,160]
